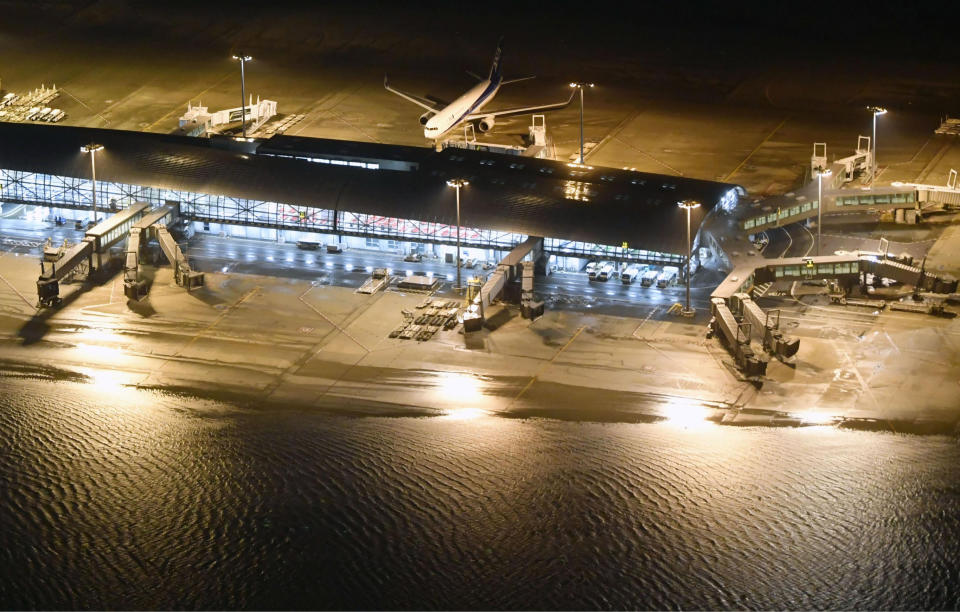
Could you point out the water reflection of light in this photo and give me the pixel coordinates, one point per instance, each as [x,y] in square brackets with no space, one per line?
[460,395]
[99,334]
[107,381]
[99,351]
[686,414]
[814,418]
[458,385]
[463,414]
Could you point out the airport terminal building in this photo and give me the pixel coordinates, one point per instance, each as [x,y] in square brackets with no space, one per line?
[362,194]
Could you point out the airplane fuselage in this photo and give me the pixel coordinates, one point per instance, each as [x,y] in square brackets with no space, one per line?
[454,113]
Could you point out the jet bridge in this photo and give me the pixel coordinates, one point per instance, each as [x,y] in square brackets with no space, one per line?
[87,255]
[132,287]
[737,337]
[765,326]
[509,268]
[154,225]
[184,275]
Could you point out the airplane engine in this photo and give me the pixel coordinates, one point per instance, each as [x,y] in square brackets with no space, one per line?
[485,124]
[426,117]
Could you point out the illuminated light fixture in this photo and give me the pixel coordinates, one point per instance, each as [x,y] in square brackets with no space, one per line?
[92,149]
[876,110]
[581,86]
[243,59]
[688,205]
[821,172]
[457,184]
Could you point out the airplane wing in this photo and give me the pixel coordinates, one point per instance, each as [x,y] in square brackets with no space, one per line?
[430,105]
[508,81]
[521,110]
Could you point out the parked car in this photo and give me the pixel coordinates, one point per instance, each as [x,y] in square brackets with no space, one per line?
[413,257]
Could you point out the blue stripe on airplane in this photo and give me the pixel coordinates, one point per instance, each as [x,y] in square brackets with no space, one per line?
[486,93]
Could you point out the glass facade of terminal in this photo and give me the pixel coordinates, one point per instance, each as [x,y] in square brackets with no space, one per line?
[798,212]
[908,197]
[247,218]
[781,216]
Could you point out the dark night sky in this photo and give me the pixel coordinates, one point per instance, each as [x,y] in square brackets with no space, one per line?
[725,42]
[885,28]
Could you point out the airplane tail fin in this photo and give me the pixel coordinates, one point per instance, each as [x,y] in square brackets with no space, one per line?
[496,71]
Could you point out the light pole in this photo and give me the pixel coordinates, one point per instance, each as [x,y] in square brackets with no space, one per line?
[92,149]
[876,110]
[581,86]
[688,205]
[820,174]
[457,184]
[243,58]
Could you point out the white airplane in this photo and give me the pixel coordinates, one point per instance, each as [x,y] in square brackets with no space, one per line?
[441,118]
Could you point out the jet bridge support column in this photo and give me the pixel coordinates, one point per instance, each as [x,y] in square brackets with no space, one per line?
[133,287]
[530,308]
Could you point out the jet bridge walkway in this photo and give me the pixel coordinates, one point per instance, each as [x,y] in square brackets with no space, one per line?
[509,268]
[87,255]
[154,225]
[737,338]
[765,326]
[732,295]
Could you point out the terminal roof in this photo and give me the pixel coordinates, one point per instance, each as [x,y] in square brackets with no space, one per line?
[506,192]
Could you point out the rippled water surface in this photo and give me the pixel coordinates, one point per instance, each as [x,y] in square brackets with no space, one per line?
[151,500]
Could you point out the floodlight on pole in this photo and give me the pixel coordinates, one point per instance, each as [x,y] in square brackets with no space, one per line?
[821,172]
[92,149]
[876,110]
[581,86]
[688,205]
[457,184]
[243,59]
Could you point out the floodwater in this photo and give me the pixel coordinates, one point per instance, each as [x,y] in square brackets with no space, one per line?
[115,497]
